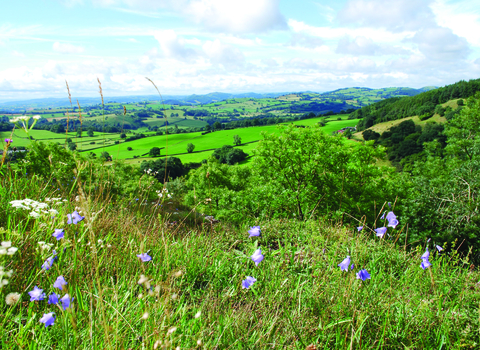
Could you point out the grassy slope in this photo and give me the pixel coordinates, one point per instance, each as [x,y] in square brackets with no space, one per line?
[300,297]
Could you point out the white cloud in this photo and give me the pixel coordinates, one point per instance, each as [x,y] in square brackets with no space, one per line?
[303,40]
[463,18]
[236,16]
[222,54]
[439,43]
[366,46]
[67,48]
[397,15]
[174,46]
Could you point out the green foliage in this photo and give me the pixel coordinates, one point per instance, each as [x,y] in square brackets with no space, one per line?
[171,170]
[154,152]
[369,134]
[237,140]
[229,155]
[190,147]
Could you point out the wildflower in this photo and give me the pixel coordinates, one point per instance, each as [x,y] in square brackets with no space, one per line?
[48,263]
[257,257]
[359,228]
[382,217]
[12,298]
[198,314]
[352,266]
[34,214]
[59,233]
[247,282]
[6,244]
[145,315]
[254,231]
[392,219]
[8,141]
[171,330]
[53,298]
[380,231]
[425,263]
[438,248]
[48,319]
[144,257]
[11,250]
[142,279]
[199,342]
[363,275]
[74,218]
[36,294]
[59,282]
[344,264]
[66,301]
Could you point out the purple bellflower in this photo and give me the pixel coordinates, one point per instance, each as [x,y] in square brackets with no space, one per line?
[344,264]
[425,263]
[254,231]
[257,256]
[59,233]
[60,282]
[8,140]
[380,231]
[36,294]
[49,262]
[359,228]
[144,257]
[48,319]
[66,301]
[74,218]
[247,282]
[53,298]
[382,217]
[363,275]
[392,219]
[438,248]
[352,266]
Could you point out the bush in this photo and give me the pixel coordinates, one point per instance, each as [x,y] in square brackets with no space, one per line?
[129,149]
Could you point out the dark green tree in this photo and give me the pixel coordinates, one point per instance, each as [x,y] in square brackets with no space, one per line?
[190,147]
[154,152]
[237,140]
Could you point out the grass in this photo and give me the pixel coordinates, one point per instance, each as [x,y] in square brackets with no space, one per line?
[194,296]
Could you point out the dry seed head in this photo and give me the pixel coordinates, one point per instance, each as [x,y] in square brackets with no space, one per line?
[157,344]
[171,330]
[142,279]
[174,296]
[198,314]
[178,273]
[199,342]
[140,296]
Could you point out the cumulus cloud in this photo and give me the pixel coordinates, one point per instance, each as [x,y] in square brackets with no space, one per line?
[366,47]
[67,48]
[237,16]
[304,40]
[222,54]
[174,46]
[439,43]
[398,15]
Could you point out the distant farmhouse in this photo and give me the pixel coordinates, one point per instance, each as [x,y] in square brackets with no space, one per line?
[352,129]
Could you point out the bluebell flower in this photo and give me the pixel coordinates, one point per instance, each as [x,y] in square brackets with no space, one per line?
[359,228]
[36,294]
[247,282]
[425,263]
[144,257]
[382,217]
[254,231]
[380,231]
[49,262]
[438,248]
[363,275]
[59,233]
[257,256]
[74,218]
[344,264]
[352,266]
[48,319]
[53,298]
[66,301]
[59,282]
[425,255]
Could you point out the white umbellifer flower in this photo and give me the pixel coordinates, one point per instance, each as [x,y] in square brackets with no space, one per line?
[34,214]
[142,279]
[6,244]
[12,298]
[9,274]
[36,117]
[140,296]
[145,315]
[174,296]
[11,250]
[198,314]
[100,241]
[4,282]
[199,342]
[3,251]
[53,211]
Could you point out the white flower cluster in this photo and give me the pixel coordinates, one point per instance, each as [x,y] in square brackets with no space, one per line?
[164,192]
[37,208]
[7,249]
[150,172]
[45,246]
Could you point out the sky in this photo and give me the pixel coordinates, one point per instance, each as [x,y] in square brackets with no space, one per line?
[201,46]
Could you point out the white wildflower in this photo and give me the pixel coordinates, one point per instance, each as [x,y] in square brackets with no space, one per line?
[171,330]
[36,117]
[198,314]
[12,298]
[4,282]
[9,273]
[140,296]
[174,296]
[11,250]
[34,214]
[178,273]
[199,342]
[6,244]
[142,279]
[3,251]
[157,344]
[145,315]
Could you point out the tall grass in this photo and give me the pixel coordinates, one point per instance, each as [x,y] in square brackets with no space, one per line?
[192,294]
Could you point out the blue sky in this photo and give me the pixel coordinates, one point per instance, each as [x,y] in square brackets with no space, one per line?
[201,46]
